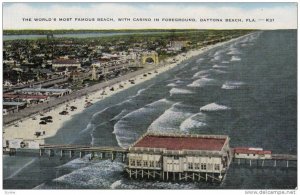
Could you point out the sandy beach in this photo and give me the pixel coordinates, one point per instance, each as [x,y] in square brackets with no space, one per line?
[27,128]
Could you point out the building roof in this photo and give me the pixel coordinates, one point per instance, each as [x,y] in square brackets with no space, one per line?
[53,90]
[242,150]
[14,103]
[65,61]
[182,142]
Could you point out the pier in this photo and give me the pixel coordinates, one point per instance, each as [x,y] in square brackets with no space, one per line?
[167,156]
[70,150]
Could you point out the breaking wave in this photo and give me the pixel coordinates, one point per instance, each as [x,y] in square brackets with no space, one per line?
[131,126]
[214,107]
[120,115]
[194,121]
[169,121]
[232,85]
[235,58]
[201,73]
[225,62]
[201,82]
[180,91]
[96,175]
[234,52]
[171,85]
[219,66]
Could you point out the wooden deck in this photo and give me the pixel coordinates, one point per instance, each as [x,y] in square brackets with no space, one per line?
[83,148]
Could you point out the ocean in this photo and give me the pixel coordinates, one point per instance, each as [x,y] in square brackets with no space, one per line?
[246,89]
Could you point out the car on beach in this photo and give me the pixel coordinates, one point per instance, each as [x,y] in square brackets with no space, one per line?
[63,112]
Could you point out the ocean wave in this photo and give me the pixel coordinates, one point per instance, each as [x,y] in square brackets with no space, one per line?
[120,115]
[194,121]
[131,126]
[232,85]
[214,107]
[199,60]
[180,91]
[201,73]
[141,91]
[219,66]
[194,68]
[97,175]
[225,62]
[219,71]
[201,82]
[216,58]
[235,58]
[169,121]
[234,52]
[116,184]
[144,184]
[89,127]
[179,82]
[172,85]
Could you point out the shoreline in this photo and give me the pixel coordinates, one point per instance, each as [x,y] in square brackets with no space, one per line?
[27,127]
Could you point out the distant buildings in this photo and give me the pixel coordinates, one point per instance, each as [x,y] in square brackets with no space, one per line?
[177,45]
[65,63]
[43,91]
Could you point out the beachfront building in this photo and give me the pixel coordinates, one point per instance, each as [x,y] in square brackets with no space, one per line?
[29,99]
[44,91]
[182,157]
[65,63]
[12,106]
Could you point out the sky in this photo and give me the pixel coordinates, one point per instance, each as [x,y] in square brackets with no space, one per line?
[246,15]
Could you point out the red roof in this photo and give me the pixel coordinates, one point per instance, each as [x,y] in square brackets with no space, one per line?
[251,151]
[181,142]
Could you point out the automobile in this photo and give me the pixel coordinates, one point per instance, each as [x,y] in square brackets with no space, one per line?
[43,123]
[63,112]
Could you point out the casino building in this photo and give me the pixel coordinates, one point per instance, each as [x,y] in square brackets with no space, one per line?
[179,157]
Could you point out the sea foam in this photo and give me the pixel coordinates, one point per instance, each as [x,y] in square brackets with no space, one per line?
[214,107]
[201,82]
[180,91]
[232,85]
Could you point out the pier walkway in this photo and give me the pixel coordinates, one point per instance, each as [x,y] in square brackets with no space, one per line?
[82,150]
[274,157]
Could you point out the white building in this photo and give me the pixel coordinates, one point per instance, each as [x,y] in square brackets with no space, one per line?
[195,157]
[252,153]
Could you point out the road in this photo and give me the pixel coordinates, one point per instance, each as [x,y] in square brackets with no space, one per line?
[30,111]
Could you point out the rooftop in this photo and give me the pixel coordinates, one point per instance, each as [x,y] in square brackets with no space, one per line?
[182,142]
[243,150]
[65,61]
[13,103]
[53,90]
